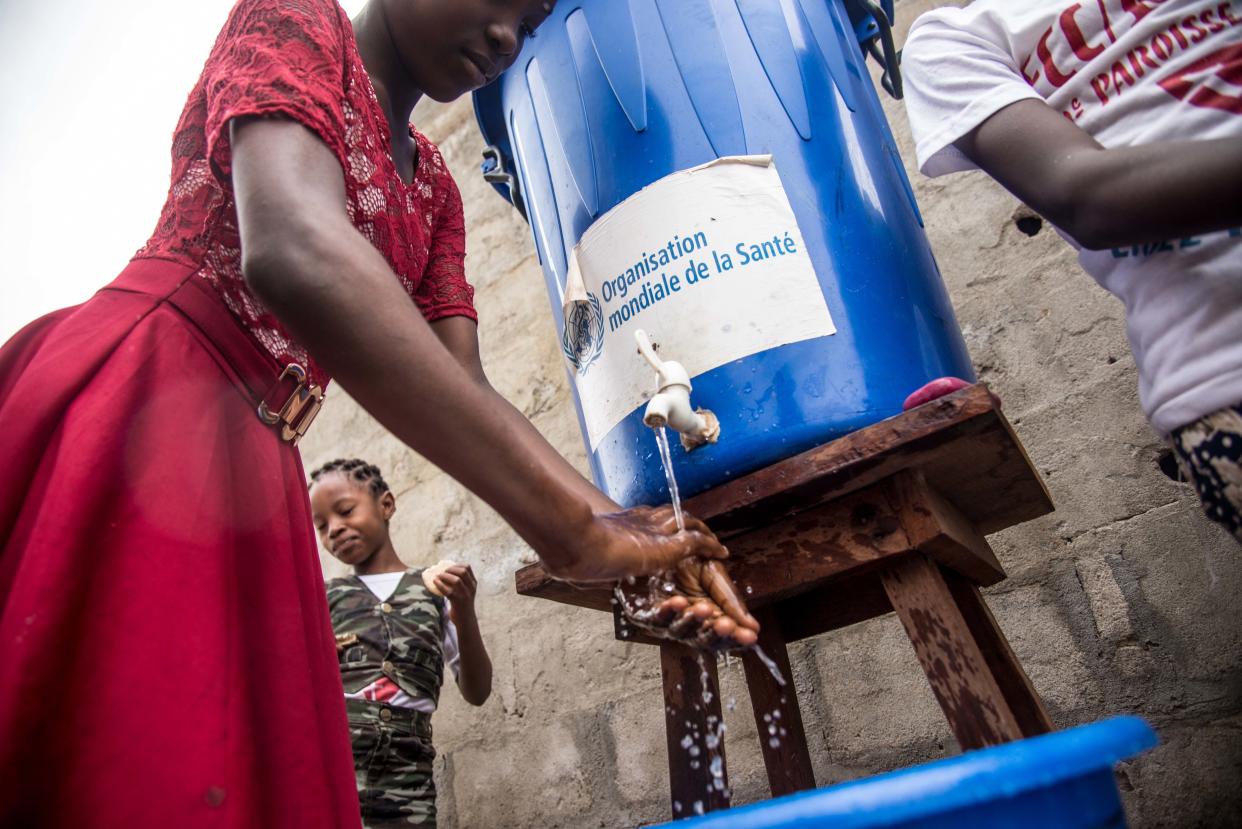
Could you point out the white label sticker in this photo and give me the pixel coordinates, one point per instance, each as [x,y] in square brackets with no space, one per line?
[708,261]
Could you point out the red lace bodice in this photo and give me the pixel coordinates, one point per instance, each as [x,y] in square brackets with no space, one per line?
[297,59]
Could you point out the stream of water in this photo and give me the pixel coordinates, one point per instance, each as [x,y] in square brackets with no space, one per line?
[667,459]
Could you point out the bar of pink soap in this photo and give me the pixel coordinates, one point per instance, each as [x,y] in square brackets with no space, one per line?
[936,388]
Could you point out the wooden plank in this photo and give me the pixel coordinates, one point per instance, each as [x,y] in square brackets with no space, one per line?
[690,712]
[839,604]
[853,533]
[533,580]
[778,717]
[937,528]
[977,711]
[962,442]
[858,531]
[1028,709]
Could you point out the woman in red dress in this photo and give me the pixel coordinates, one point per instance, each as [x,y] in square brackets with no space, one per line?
[166,658]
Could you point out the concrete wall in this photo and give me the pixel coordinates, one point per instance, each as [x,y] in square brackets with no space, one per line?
[1122,600]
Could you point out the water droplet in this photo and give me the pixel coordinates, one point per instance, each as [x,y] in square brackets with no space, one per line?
[775,742]
[677,806]
[686,742]
[693,751]
[731,704]
[698,807]
[749,590]
[776,713]
[694,764]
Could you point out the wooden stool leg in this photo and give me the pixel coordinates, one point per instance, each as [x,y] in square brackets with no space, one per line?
[683,669]
[977,711]
[1025,703]
[778,717]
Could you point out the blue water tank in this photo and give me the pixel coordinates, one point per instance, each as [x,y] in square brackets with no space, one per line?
[613,95]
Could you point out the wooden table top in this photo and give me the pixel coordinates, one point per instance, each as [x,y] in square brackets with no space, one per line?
[961,443]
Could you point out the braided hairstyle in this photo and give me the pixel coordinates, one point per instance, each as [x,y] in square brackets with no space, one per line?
[358,471]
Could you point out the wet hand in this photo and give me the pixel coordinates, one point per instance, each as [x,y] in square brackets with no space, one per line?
[636,542]
[694,602]
[685,591]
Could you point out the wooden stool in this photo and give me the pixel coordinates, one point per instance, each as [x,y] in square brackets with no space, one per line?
[888,518]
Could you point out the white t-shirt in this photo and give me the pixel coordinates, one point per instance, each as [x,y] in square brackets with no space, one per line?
[383,585]
[1128,72]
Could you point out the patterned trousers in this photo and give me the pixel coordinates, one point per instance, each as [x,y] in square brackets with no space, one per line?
[1210,452]
[393,764]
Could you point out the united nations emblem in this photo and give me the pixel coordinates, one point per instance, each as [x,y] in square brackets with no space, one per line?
[583,338]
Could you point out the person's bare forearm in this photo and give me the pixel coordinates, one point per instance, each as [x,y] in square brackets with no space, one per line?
[557,466]
[475,669]
[367,333]
[1149,193]
[338,297]
[1109,197]
[1179,199]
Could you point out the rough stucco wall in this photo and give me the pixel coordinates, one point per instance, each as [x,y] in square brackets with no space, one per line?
[1122,600]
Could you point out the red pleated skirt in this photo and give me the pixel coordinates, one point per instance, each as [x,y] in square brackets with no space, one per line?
[166,656]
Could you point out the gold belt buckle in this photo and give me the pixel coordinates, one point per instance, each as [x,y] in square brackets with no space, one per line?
[299,410]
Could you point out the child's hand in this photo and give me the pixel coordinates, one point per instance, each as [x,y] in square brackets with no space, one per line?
[457,584]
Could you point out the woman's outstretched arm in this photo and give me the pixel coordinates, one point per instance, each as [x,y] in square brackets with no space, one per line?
[460,335]
[337,295]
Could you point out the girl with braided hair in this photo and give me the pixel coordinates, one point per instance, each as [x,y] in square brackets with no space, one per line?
[398,631]
[160,594]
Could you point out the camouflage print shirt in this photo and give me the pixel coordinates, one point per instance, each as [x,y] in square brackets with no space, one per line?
[399,638]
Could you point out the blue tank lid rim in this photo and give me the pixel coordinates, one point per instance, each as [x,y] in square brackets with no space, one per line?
[953,783]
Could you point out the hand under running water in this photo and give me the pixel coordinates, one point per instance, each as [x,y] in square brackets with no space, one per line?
[680,588]
[694,602]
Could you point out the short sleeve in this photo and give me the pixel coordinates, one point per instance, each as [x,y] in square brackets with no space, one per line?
[277,57]
[444,291]
[958,73]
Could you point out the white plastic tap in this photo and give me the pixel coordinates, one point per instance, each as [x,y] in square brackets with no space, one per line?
[670,406]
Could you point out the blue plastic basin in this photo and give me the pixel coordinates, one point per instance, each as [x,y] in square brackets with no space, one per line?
[1062,780]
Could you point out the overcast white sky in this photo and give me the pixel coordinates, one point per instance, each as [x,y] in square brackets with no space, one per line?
[91,91]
